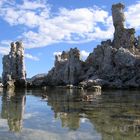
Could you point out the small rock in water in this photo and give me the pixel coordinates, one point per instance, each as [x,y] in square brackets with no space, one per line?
[95,88]
[69,86]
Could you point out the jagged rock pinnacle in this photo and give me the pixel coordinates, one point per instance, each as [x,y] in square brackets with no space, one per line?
[13,66]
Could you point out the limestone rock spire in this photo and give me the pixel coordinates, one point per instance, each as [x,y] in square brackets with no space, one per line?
[123,37]
[14,73]
[118,15]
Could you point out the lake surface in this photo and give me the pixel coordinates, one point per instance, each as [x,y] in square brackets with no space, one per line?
[59,114]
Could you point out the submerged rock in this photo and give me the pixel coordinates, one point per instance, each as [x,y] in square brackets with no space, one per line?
[122,36]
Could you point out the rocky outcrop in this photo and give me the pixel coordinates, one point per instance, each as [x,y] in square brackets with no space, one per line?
[115,64]
[1,85]
[112,64]
[122,37]
[36,81]
[67,70]
[13,66]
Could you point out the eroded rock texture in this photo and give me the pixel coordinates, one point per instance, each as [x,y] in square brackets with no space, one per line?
[114,64]
[67,70]
[122,37]
[14,73]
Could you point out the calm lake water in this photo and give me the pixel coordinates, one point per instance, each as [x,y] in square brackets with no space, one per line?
[69,115]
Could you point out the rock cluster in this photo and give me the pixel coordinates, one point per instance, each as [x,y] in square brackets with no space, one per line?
[67,70]
[114,64]
[14,73]
[122,37]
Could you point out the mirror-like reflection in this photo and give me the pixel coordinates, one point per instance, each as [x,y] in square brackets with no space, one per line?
[59,113]
[115,115]
[68,105]
[13,108]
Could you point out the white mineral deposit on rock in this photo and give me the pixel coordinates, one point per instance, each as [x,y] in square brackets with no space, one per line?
[14,73]
[114,64]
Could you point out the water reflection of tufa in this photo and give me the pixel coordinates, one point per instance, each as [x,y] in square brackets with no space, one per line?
[13,108]
[117,115]
[114,114]
[69,104]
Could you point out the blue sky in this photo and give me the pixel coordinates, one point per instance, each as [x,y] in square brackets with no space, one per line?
[48,27]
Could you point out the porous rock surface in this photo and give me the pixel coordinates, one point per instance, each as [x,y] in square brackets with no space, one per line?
[14,74]
[114,64]
[67,70]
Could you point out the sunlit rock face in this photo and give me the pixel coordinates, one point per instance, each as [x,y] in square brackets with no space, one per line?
[122,37]
[67,70]
[111,67]
[14,73]
[113,63]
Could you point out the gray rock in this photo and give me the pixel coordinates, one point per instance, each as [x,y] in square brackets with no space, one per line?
[67,70]
[124,58]
[122,37]
[1,85]
[14,73]
[118,15]
[37,80]
[112,64]
[95,88]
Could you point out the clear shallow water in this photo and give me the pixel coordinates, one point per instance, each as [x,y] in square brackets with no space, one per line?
[66,115]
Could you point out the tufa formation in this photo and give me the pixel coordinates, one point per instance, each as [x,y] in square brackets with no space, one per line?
[122,37]
[14,74]
[112,64]
[67,70]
